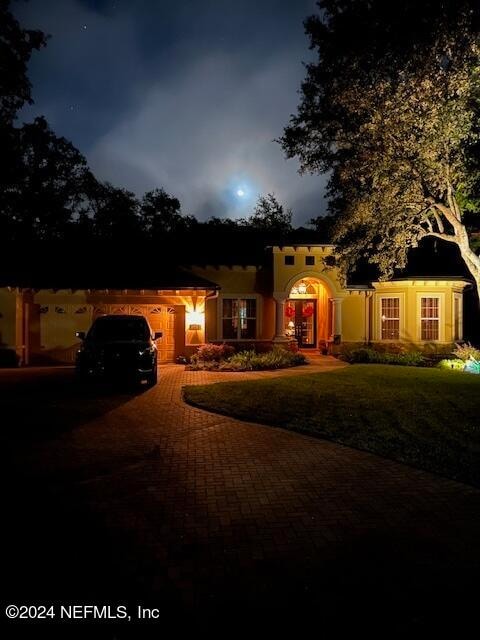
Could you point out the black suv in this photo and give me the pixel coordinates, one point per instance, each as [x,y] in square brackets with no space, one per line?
[121,346]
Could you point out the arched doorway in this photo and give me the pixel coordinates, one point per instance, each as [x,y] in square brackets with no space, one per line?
[308,313]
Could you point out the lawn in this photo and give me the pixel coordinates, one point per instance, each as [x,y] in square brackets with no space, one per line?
[427,418]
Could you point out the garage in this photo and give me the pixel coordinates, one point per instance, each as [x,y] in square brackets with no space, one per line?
[160,317]
[59,323]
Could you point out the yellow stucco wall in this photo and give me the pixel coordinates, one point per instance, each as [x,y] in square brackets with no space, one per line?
[360,307]
[286,274]
[355,317]
[238,281]
[410,293]
[354,302]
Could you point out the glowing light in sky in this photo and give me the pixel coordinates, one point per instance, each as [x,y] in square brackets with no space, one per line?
[240,193]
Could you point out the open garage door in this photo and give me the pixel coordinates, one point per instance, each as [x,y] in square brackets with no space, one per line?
[160,317]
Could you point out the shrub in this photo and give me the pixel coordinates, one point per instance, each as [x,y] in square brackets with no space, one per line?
[277,358]
[392,347]
[249,345]
[212,353]
[456,364]
[466,352]
[374,356]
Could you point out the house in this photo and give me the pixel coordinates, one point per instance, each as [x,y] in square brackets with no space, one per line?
[293,298]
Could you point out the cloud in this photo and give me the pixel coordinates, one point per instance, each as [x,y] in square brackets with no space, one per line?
[202,134]
[165,95]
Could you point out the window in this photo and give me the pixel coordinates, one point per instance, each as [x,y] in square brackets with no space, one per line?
[290,260]
[429,318]
[457,317]
[390,318]
[309,261]
[239,318]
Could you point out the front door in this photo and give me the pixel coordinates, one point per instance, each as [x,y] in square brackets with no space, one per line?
[306,323]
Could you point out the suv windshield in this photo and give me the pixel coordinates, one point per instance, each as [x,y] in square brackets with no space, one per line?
[111,329]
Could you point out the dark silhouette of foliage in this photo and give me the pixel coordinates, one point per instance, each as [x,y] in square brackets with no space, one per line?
[161,213]
[43,180]
[270,215]
[16,47]
[114,211]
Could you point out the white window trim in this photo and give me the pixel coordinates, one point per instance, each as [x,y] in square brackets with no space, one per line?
[459,297]
[238,296]
[441,314]
[378,316]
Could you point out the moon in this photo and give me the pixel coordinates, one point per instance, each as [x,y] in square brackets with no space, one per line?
[240,193]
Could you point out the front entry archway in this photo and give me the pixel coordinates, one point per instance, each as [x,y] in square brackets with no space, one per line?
[302,322]
[308,313]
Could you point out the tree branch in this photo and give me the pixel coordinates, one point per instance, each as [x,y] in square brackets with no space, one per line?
[442,236]
[450,216]
[439,222]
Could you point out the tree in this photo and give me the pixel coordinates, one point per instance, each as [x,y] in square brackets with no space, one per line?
[270,215]
[114,212]
[16,47]
[222,224]
[43,183]
[161,213]
[391,109]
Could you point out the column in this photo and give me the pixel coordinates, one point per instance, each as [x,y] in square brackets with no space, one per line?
[337,317]
[280,336]
[20,326]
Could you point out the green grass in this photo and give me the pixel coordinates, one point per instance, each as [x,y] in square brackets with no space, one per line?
[427,418]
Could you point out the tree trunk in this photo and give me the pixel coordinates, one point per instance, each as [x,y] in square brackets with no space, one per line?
[472,261]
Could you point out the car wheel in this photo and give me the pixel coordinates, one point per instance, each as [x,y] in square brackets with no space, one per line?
[153,378]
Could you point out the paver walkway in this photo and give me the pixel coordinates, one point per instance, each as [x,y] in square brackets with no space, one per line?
[213,516]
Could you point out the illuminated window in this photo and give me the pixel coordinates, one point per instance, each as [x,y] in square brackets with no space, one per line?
[290,260]
[239,318]
[457,311]
[429,318]
[390,318]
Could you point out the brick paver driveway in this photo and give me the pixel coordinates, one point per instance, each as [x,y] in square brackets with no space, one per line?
[123,496]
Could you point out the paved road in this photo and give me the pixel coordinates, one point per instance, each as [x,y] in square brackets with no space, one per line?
[115,495]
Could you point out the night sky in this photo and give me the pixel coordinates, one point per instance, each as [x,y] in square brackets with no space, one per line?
[187,96]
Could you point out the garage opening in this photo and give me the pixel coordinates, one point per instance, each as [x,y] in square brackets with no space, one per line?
[160,317]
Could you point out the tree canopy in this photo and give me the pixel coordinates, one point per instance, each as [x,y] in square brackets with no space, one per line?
[270,215]
[16,47]
[391,109]
[43,183]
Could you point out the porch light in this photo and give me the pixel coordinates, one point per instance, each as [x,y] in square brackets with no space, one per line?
[302,288]
[194,320]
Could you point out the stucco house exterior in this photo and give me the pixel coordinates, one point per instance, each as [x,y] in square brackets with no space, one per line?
[294,298]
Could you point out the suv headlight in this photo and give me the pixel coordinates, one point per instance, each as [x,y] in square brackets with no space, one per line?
[146,352]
